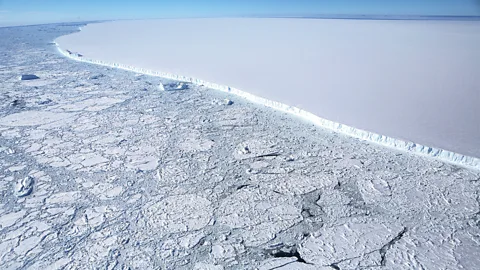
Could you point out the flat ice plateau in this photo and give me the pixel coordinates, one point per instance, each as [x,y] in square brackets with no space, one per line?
[412,85]
[100,169]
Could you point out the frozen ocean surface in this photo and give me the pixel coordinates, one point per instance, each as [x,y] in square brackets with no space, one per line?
[416,81]
[99,168]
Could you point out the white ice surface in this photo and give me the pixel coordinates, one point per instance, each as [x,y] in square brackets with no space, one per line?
[415,81]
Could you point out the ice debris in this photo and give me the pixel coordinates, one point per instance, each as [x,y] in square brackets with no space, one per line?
[27,77]
[24,187]
[226,102]
[17,103]
[96,76]
[173,86]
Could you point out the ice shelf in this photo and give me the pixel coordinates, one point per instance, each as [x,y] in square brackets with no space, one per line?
[412,147]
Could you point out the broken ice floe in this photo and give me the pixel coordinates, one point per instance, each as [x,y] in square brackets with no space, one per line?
[349,241]
[226,101]
[260,214]
[176,86]
[96,77]
[18,103]
[28,77]
[45,102]
[24,187]
[179,214]
[255,148]
[32,118]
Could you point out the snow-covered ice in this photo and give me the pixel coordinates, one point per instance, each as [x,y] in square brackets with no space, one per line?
[99,168]
[410,85]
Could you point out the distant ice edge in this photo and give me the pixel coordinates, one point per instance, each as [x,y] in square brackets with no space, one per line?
[440,154]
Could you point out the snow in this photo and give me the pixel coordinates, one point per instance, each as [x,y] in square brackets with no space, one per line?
[409,85]
[124,175]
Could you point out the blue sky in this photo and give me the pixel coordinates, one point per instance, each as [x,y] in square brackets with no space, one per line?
[42,11]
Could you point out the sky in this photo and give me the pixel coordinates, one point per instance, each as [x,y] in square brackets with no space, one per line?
[20,12]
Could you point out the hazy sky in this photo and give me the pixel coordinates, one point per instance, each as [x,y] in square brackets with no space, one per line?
[42,11]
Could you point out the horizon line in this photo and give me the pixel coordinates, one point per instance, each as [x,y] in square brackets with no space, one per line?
[317,16]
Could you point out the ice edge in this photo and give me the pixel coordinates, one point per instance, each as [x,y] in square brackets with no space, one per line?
[437,153]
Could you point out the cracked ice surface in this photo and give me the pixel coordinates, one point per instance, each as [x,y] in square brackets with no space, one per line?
[100,169]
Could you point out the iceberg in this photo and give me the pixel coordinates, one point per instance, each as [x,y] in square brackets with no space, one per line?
[409,125]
